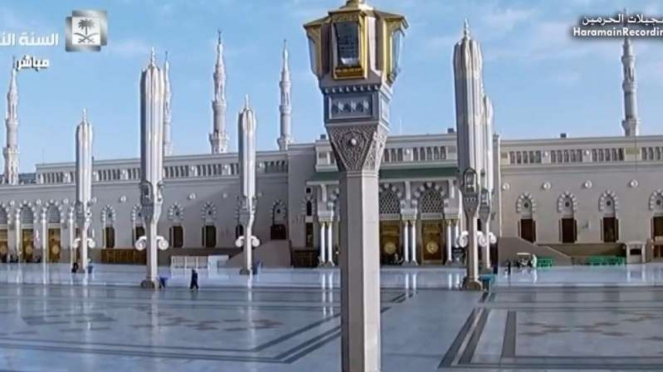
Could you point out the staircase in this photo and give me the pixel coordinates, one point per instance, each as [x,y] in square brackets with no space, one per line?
[274,253]
[509,247]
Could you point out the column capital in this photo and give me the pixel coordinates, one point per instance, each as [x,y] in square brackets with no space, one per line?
[358,147]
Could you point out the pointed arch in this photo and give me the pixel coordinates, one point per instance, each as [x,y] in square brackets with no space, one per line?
[430,198]
[209,212]
[656,200]
[137,215]
[309,205]
[176,212]
[279,230]
[108,215]
[4,214]
[279,213]
[525,203]
[390,199]
[54,213]
[608,201]
[26,212]
[567,203]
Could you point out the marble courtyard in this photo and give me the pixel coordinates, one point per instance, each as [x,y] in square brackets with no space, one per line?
[289,320]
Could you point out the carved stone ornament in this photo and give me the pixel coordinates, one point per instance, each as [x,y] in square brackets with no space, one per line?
[255,242]
[506,186]
[633,183]
[358,147]
[141,243]
[546,186]
[463,239]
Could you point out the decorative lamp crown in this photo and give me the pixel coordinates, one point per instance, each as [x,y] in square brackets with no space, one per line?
[356,42]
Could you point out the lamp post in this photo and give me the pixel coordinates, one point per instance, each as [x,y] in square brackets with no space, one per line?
[355,53]
[484,216]
[152,96]
[470,191]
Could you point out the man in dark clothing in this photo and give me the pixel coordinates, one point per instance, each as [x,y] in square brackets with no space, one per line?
[194,280]
[74,268]
[508,267]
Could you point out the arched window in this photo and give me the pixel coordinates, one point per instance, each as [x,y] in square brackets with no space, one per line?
[309,208]
[208,236]
[177,236]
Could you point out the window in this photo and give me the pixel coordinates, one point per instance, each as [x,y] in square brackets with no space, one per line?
[528,229]
[177,236]
[309,208]
[610,227]
[209,236]
[109,237]
[569,230]
[138,232]
[310,240]
[239,231]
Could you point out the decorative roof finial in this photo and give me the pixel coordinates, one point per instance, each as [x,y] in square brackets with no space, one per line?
[285,54]
[153,57]
[246,102]
[166,57]
[220,37]
[84,115]
[466,29]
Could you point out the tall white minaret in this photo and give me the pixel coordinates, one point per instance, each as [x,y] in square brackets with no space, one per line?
[285,108]
[167,139]
[11,122]
[630,122]
[219,138]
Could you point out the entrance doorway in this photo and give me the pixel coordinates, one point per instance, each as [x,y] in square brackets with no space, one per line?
[610,229]
[433,241]
[569,229]
[27,242]
[657,236]
[54,245]
[528,229]
[390,242]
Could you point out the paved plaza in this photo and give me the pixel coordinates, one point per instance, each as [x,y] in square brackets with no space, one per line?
[579,318]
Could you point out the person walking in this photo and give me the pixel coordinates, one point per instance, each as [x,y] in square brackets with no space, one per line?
[194,280]
[508,267]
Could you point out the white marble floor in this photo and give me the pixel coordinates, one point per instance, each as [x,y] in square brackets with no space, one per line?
[288,320]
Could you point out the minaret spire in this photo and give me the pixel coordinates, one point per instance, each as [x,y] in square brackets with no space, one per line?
[167,139]
[219,137]
[285,107]
[11,123]
[631,121]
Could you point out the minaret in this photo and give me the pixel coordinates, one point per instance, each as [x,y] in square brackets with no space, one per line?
[470,117]
[285,108]
[167,140]
[219,138]
[246,133]
[84,188]
[630,122]
[152,97]
[11,122]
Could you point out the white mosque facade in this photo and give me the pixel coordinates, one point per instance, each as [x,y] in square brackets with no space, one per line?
[574,195]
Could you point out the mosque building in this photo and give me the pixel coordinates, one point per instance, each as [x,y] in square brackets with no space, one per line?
[562,197]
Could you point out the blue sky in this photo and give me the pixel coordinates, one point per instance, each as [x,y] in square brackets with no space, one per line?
[541,81]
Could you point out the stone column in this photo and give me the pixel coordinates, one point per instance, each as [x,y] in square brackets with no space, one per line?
[323,248]
[18,235]
[71,229]
[413,234]
[44,236]
[406,241]
[447,228]
[486,248]
[330,244]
